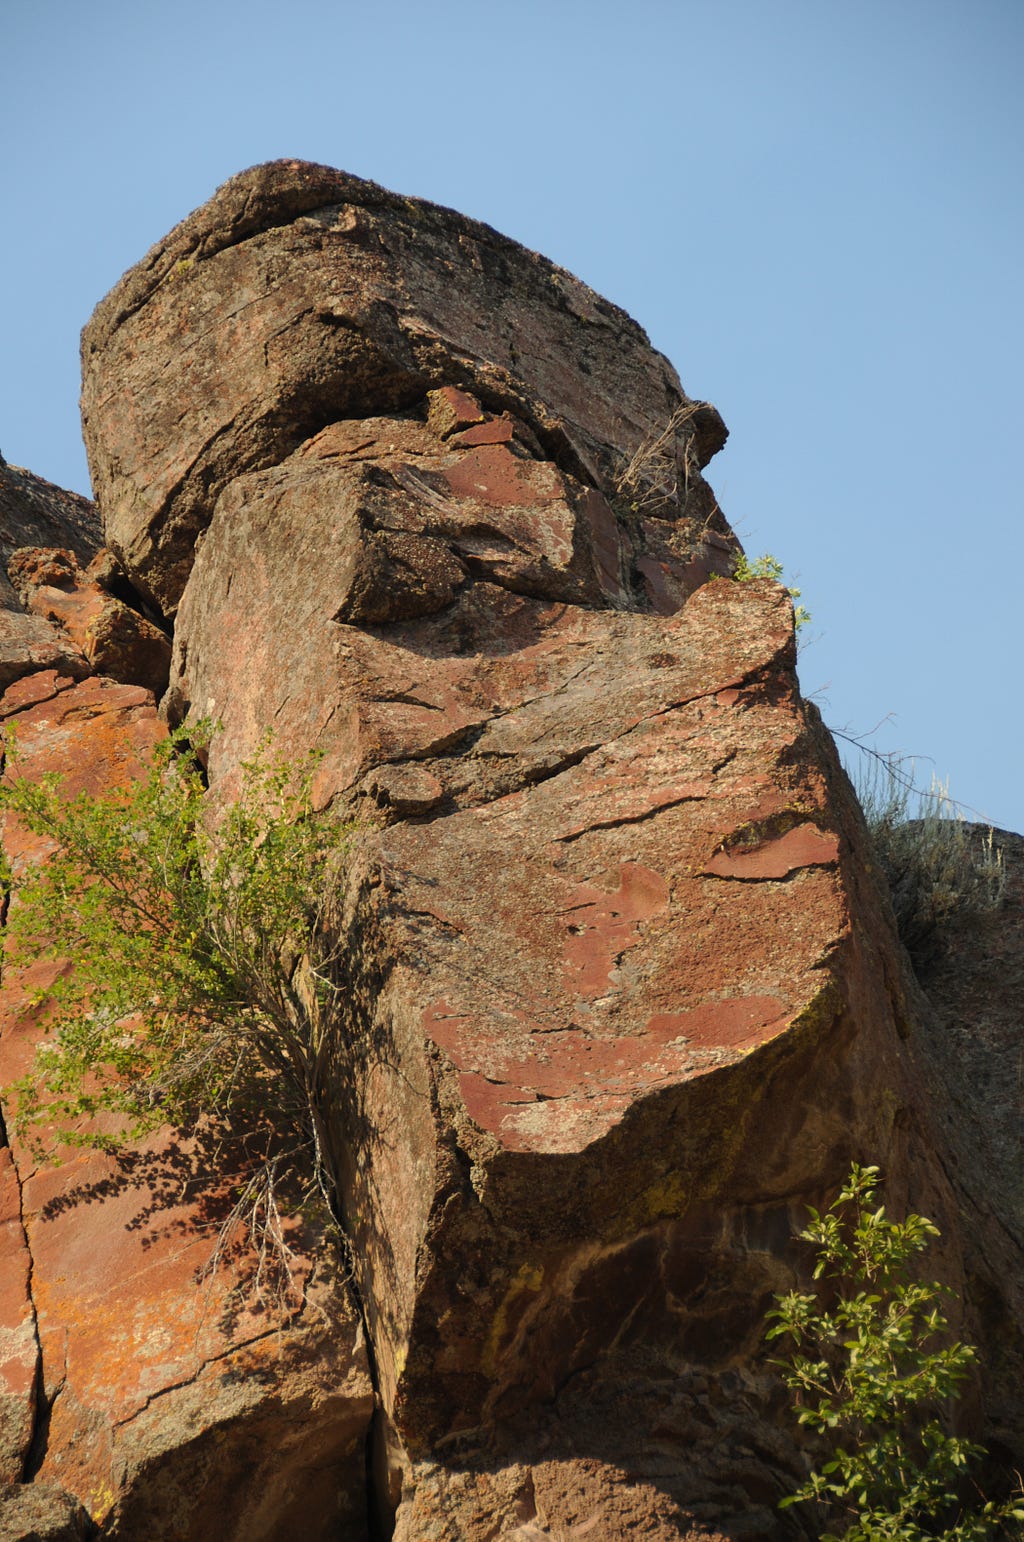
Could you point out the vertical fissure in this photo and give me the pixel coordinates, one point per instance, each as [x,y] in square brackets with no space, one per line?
[41,1407]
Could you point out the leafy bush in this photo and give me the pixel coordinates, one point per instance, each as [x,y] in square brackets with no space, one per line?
[872,1367]
[937,865]
[198,963]
[768,566]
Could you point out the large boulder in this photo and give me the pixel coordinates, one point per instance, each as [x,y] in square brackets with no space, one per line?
[299,297]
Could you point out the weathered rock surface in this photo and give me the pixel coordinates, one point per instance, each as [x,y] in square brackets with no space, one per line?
[38,1512]
[113,638]
[300,297]
[35,512]
[625,993]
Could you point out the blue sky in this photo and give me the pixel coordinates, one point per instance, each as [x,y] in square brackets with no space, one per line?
[815,208]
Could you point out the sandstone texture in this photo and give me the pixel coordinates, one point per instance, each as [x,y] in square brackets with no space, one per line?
[35,512]
[625,991]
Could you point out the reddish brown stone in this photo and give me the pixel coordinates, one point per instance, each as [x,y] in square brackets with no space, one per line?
[452,409]
[34,512]
[367,320]
[19,1347]
[802,846]
[30,643]
[116,640]
[497,431]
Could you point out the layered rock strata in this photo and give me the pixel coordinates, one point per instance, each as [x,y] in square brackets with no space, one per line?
[625,995]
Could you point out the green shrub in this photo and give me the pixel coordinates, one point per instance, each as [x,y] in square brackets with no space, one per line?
[937,865]
[768,566]
[198,961]
[873,1367]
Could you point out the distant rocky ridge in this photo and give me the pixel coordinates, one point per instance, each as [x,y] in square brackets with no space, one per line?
[630,989]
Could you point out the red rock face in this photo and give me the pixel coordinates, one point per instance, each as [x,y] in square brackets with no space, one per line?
[113,639]
[34,512]
[624,995]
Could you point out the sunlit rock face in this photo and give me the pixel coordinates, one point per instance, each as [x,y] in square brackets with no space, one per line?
[625,994]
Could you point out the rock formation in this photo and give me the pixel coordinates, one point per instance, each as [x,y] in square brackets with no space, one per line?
[626,992]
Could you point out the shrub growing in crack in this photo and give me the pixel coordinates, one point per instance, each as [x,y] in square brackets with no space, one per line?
[200,973]
[937,864]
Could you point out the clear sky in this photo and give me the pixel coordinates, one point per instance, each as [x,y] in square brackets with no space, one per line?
[815,208]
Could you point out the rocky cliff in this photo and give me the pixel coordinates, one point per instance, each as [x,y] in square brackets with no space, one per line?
[626,990]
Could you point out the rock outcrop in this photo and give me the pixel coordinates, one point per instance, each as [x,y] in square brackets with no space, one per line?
[35,513]
[626,995]
[300,297]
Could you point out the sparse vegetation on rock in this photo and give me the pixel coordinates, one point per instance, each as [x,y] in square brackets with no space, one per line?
[659,470]
[874,1370]
[937,864]
[196,968]
[767,566]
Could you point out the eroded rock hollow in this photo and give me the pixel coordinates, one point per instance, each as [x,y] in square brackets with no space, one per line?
[628,992]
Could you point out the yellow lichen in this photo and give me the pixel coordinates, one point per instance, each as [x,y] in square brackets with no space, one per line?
[529,1278]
